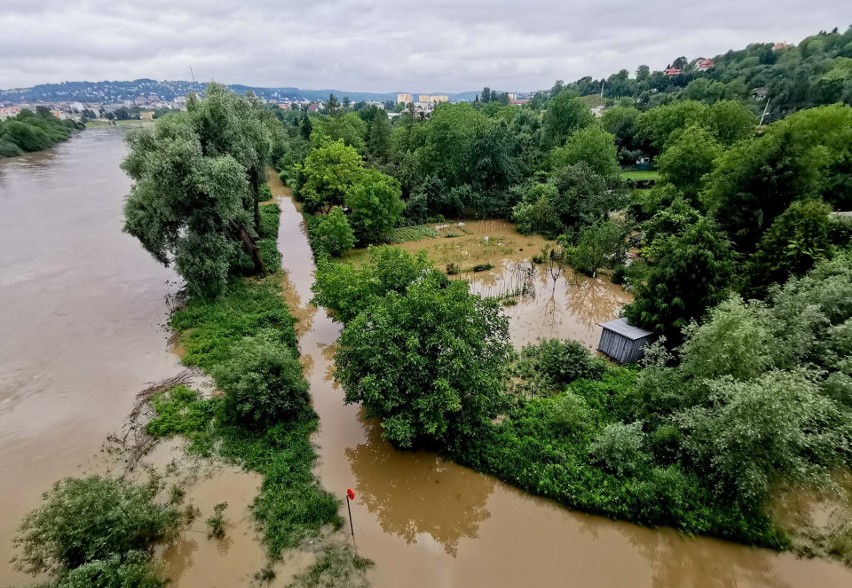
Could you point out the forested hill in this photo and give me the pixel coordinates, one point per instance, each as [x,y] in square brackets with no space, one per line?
[111,92]
[816,71]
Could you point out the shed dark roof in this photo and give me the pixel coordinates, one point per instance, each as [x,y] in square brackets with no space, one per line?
[621,327]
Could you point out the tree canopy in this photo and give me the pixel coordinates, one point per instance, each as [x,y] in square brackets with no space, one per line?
[196,179]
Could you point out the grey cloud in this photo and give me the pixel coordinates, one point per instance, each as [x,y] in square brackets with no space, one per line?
[383,45]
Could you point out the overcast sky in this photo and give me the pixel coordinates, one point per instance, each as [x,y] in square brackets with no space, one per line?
[384,45]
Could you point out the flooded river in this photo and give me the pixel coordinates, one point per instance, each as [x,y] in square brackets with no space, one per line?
[81,309]
[80,312]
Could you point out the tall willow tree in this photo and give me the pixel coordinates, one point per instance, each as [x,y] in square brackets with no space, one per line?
[196,178]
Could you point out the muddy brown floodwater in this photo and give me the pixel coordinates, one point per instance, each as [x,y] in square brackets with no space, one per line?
[80,312]
[81,309]
[428,522]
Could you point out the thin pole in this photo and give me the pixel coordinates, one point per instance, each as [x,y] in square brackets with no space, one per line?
[765,110]
[351,526]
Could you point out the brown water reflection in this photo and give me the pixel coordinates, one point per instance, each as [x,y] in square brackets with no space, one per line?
[414,493]
[81,309]
[563,304]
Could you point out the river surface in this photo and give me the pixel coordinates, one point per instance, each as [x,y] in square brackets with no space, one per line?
[81,309]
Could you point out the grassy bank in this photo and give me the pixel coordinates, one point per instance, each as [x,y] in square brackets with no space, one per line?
[220,336]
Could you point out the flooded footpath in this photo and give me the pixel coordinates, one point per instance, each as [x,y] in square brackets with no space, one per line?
[81,314]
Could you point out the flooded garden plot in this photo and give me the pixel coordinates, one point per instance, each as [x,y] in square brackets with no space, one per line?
[542,300]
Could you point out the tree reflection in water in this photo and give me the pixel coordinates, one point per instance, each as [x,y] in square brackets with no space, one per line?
[415,493]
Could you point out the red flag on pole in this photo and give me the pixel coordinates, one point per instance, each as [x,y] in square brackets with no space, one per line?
[350,493]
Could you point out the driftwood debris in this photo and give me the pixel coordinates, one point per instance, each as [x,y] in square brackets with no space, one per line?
[134,441]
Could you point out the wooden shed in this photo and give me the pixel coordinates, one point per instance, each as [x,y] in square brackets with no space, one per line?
[622,341]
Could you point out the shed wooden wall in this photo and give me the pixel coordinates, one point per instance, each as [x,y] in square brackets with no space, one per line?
[621,348]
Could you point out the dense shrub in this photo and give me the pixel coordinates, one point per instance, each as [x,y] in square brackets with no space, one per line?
[84,520]
[331,234]
[133,570]
[262,383]
[558,362]
[619,448]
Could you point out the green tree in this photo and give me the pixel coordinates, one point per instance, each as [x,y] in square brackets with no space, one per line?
[346,290]
[333,234]
[794,243]
[687,160]
[730,121]
[755,181]
[188,205]
[376,206]
[738,439]
[620,121]
[590,145]
[599,245]
[690,272]
[330,171]
[347,127]
[379,138]
[656,125]
[453,346]
[449,141]
[585,197]
[736,340]
[262,383]
[566,113]
[537,212]
[85,520]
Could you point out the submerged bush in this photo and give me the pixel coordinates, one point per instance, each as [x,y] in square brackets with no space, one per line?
[85,520]
[131,571]
[332,234]
[559,362]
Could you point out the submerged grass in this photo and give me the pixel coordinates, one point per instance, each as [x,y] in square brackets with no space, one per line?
[337,565]
[291,506]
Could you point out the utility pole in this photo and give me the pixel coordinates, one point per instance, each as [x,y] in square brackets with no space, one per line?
[765,111]
[602,88]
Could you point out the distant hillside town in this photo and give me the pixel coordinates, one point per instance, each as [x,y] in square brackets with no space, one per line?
[144,98]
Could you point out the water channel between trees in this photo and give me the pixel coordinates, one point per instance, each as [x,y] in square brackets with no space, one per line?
[81,313]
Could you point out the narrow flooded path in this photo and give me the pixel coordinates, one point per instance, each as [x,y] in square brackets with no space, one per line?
[429,522]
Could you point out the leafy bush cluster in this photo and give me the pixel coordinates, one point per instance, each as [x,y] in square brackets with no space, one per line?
[418,351]
[96,531]
[551,364]
[759,401]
